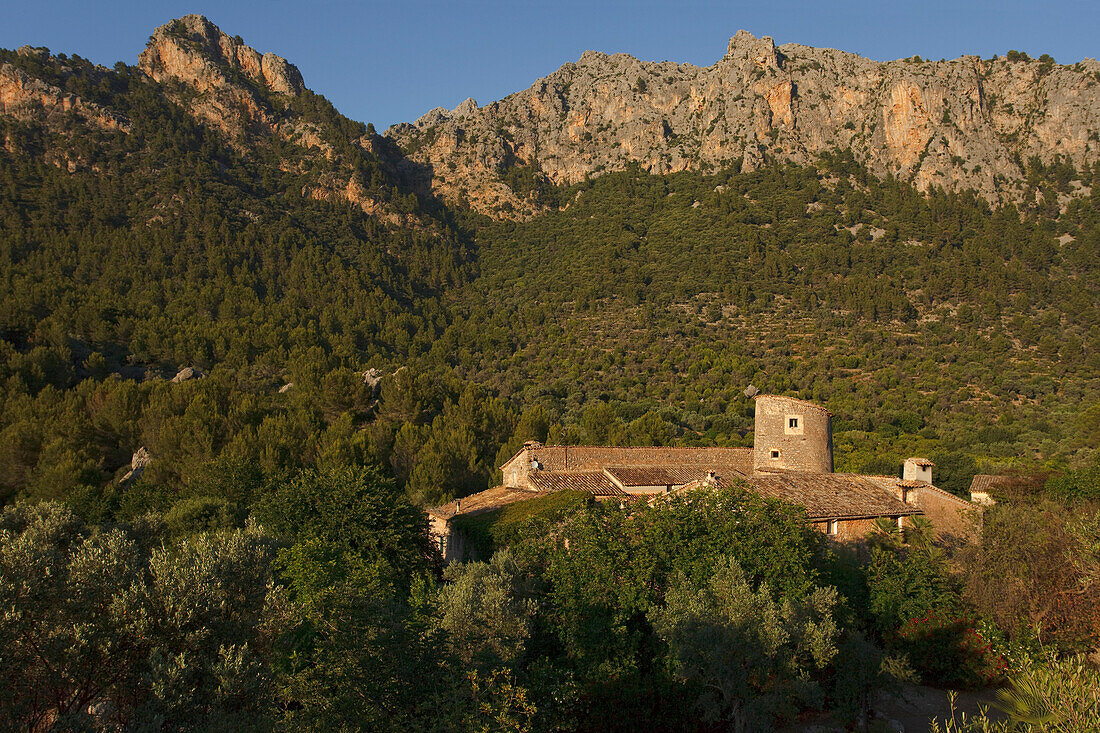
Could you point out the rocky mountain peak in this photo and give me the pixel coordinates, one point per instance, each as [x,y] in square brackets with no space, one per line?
[193,50]
[466,107]
[237,86]
[250,97]
[760,51]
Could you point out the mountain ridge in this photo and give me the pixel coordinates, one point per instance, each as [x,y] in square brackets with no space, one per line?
[963,124]
[257,101]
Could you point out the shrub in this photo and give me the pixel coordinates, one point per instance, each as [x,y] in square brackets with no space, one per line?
[949,651]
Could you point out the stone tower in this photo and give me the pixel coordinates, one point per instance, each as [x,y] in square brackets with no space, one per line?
[793,435]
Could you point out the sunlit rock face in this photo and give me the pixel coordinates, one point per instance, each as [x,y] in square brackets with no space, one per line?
[967,123]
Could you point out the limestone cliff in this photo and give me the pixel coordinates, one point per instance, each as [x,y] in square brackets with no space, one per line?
[34,101]
[965,123]
[229,78]
[28,99]
[249,95]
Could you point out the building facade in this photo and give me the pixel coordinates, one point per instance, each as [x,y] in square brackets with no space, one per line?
[791,459]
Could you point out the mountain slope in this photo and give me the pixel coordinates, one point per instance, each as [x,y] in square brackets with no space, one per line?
[966,123]
[187,199]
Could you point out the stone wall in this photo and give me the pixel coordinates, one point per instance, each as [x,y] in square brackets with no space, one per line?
[854,530]
[955,519]
[450,542]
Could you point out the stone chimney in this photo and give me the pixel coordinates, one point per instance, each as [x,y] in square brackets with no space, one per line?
[917,469]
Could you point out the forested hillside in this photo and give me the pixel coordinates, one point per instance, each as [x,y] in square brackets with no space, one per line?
[926,323]
[248,545]
[128,253]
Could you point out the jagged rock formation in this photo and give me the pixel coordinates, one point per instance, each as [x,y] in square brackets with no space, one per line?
[195,52]
[965,123]
[194,49]
[245,93]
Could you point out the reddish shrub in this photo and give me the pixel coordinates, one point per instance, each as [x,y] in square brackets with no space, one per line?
[948,651]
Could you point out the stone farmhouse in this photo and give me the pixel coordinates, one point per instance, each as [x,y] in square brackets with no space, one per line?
[791,459]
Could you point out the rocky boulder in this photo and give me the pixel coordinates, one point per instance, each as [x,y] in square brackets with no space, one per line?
[372,378]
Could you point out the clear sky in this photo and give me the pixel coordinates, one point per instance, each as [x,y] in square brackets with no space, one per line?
[392,60]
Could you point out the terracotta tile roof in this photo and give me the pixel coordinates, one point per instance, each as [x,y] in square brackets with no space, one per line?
[594,482]
[929,488]
[912,484]
[985,483]
[833,495]
[483,501]
[671,475]
[596,458]
[920,461]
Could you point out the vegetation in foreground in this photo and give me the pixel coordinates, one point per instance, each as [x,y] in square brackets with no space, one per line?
[715,610]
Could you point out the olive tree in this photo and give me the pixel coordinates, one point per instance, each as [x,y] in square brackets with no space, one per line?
[750,656]
[111,627]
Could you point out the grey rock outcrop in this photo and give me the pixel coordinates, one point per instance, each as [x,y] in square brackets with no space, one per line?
[467,107]
[372,378]
[964,123]
[187,373]
[138,463]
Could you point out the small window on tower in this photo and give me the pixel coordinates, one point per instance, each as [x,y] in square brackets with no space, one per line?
[775,454]
[793,422]
[793,425]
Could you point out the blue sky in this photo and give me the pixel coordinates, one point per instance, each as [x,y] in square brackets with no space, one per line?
[390,61]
